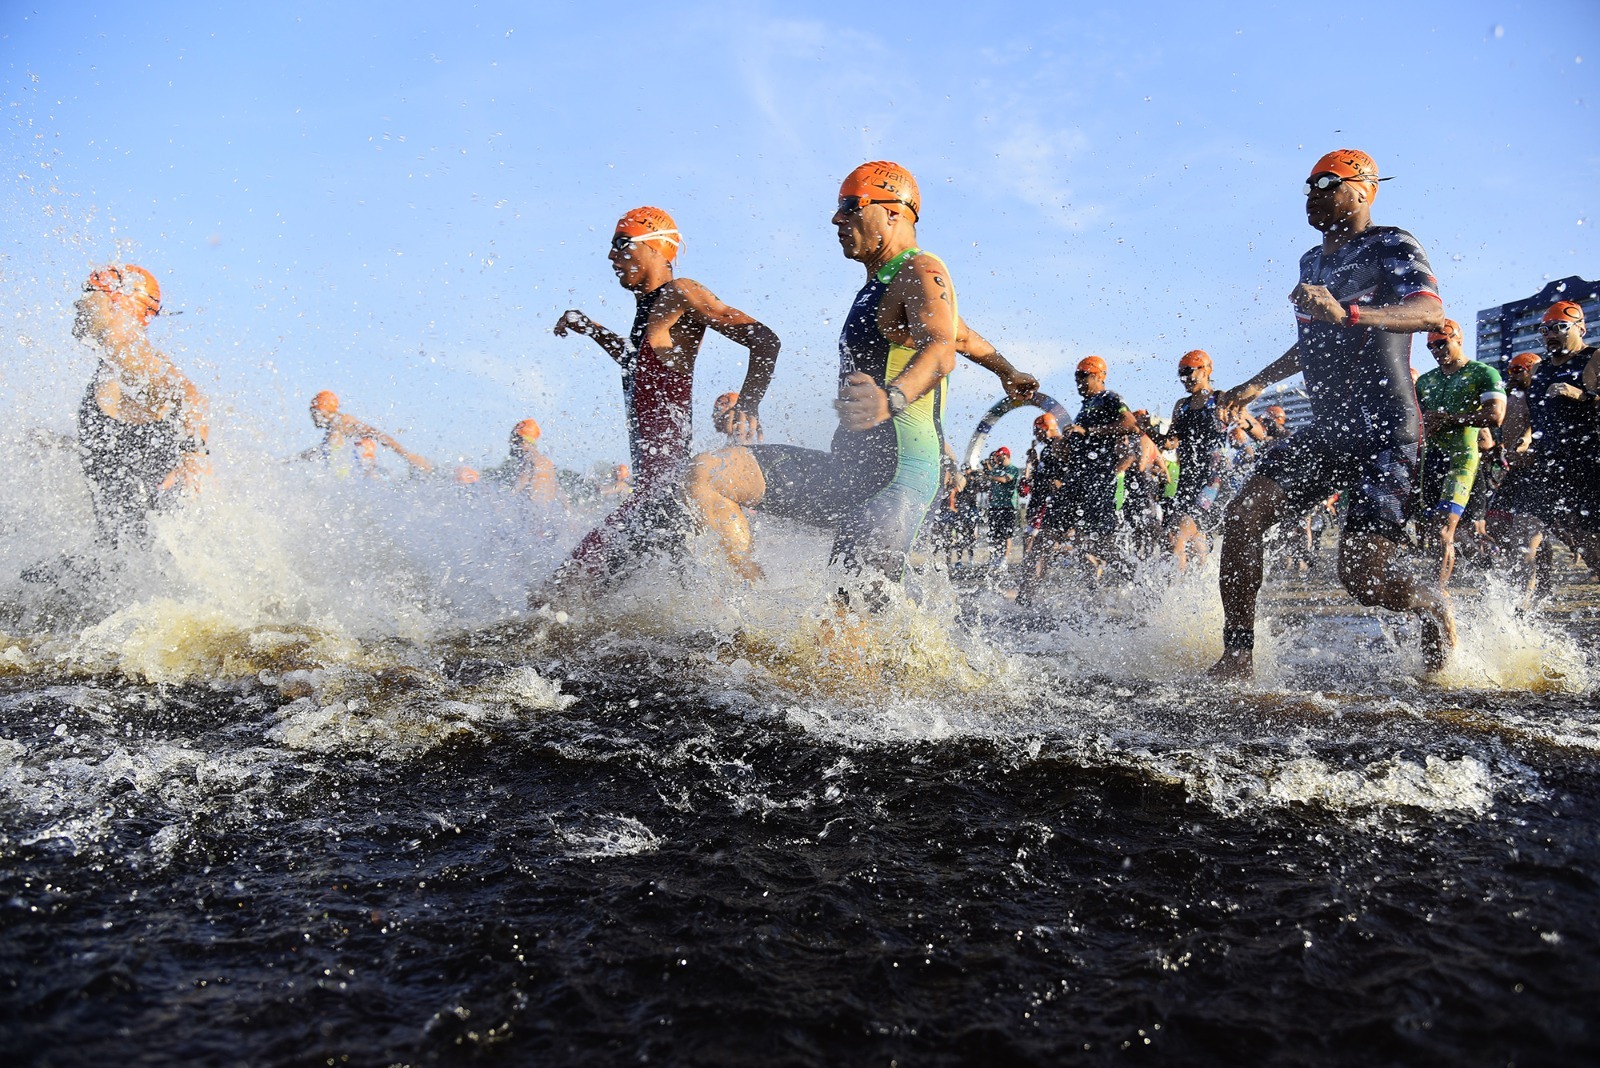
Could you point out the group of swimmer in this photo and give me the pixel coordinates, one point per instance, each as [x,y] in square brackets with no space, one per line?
[1364,289]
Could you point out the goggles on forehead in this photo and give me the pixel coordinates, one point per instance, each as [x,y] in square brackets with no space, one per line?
[856,203]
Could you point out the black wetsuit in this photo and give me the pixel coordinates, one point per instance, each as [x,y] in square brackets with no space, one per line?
[1564,478]
[126,464]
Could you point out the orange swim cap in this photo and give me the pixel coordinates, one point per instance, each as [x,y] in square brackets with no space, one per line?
[1046,426]
[623,473]
[882,182]
[1451,332]
[466,476]
[1564,311]
[129,285]
[653,227]
[326,402]
[1195,358]
[1092,365]
[527,430]
[1524,360]
[1348,163]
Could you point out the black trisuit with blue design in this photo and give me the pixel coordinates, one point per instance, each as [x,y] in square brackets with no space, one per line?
[875,485]
[1366,425]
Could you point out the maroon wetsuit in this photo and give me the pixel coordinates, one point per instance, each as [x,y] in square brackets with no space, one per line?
[658,397]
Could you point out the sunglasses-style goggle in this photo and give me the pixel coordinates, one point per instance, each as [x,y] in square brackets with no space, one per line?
[856,203]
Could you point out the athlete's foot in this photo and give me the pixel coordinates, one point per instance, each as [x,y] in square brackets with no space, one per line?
[1235,665]
[1438,639]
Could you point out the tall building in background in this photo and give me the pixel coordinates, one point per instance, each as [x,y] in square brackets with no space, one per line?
[1513,327]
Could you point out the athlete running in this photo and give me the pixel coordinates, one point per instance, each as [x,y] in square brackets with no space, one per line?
[1510,521]
[1100,438]
[1457,398]
[339,430]
[1199,433]
[1003,480]
[142,424]
[899,342]
[657,358]
[1052,471]
[1362,293]
[535,472]
[1564,410]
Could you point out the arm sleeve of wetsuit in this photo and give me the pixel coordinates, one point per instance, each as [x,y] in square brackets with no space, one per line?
[1406,266]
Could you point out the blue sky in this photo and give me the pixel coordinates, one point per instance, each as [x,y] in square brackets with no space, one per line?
[396,202]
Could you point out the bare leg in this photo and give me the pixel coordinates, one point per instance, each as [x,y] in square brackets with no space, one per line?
[1244,531]
[1447,548]
[719,487]
[1367,569]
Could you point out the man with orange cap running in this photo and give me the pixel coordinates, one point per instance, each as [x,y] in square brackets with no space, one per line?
[339,430]
[1564,413]
[1200,435]
[657,359]
[1363,291]
[899,342]
[1101,436]
[142,424]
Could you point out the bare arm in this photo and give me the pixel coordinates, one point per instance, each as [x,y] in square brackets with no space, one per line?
[1019,385]
[348,426]
[194,452]
[575,322]
[1231,402]
[688,297]
[1591,377]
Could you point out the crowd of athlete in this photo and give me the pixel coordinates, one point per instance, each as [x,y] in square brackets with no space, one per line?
[1212,467]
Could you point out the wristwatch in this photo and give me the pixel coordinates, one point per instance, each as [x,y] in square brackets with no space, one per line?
[897,401]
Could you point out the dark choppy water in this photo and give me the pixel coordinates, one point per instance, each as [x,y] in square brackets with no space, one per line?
[286,795]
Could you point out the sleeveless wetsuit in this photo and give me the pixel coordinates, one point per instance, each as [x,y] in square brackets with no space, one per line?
[125,464]
[1202,462]
[659,399]
[876,484]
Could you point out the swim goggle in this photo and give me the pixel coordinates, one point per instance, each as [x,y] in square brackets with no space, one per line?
[621,241]
[856,203]
[1325,182]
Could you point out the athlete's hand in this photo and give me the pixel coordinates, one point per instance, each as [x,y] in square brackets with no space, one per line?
[862,403]
[1564,390]
[1019,385]
[742,427]
[185,478]
[575,322]
[1231,402]
[1318,303]
[1433,422]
